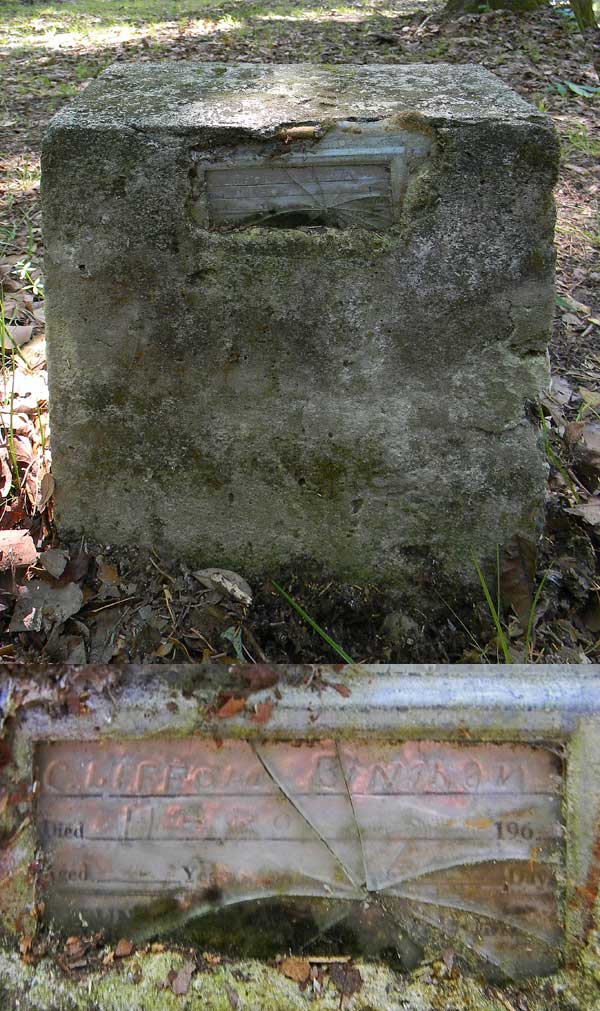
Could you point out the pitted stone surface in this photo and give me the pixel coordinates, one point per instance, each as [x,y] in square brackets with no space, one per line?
[299,315]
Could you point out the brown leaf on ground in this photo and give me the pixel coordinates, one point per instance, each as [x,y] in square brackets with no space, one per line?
[263,712]
[227,583]
[40,605]
[25,944]
[179,982]
[586,454]
[342,690]
[517,577]
[17,550]
[260,676]
[15,514]
[346,978]
[573,432]
[297,969]
[20,334]
[75,947]
[589,511]
[231,708]
[6,477]
[45,492]
[54,561]
[107,573]
[124,948]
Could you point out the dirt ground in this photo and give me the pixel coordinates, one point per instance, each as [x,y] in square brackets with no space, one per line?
[86,603]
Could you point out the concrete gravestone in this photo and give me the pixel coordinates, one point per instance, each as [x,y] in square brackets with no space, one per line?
[411,810]
[300,314]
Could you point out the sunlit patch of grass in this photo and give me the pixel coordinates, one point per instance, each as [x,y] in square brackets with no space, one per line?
[581,236]
[103,22]
[581,139]
[99,36]
[21,175]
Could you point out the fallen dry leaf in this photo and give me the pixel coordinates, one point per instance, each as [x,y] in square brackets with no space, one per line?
[589,511]
[180,981]
[17,550]
[342,690]
[297,969]
[346,978]
[107,573]
[226,582]
[25,944]
[54,561]
[124,948]
[263,712]
[231,708]
[40,605]
[19,335]
[260,676]
[45,493]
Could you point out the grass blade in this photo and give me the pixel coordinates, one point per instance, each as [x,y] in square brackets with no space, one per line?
[554,460]
[306,617]
[533,609]
[494,613]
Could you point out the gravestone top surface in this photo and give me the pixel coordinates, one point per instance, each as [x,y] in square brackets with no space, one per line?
[259,97]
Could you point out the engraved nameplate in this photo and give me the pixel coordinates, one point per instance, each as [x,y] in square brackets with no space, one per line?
[317,193]
[353,177]
[462,838]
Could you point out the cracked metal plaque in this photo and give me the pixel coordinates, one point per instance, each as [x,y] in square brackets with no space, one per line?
[459,841]
[353,176]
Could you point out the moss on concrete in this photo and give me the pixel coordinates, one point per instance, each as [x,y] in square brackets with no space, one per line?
[140,983]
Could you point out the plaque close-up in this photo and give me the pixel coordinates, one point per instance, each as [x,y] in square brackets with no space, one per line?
[383,813]
[458,832]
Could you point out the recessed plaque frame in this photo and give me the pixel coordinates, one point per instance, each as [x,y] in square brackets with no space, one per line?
[353,176]
[436,802]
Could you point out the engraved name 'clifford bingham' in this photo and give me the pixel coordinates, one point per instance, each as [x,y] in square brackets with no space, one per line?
[460,837]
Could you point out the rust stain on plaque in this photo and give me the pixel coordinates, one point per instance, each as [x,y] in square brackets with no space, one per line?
[462,839]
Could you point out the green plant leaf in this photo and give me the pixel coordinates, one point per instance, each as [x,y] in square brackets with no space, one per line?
[303,614]
[234,636]
[582,90]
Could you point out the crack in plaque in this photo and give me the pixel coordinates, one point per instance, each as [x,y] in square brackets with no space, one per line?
[470,942]
[290,797]
[476,911]
[356,822]
[308,197]
[466,862]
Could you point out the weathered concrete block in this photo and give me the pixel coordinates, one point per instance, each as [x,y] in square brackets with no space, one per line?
[300,312]
[376,809]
